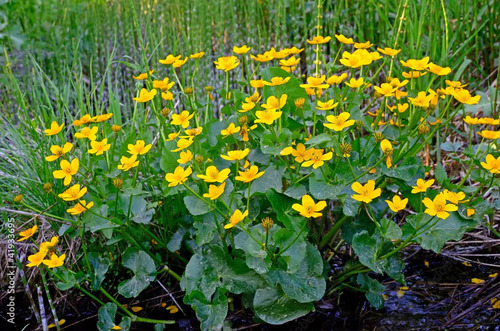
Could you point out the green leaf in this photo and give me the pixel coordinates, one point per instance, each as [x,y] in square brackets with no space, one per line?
[107,315]
[373,290]
[440,174]
[96,222]
[132,287]
[211,313]
[270,145]
[275,307]
[270,179]
[282,205]
[321,190]
[68,280]
[144,270]
[406,172]
[296,192]
[319,139]
[206,230]
[196,206]
[296,253]
[366,247]
[392,230]
[100,265]
[175,241]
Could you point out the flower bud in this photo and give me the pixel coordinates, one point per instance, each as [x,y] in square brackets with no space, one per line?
[47,188]
[243,120]
[379,136]
[117,182]
[299,103]
[345,149]
[199,159]
[209,88]
[188,90]
[267,223]
[423,128]
[165,112]
[18,198]
[116,128]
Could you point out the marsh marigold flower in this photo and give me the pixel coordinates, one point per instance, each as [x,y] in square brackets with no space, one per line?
[214,175]
[227,63]
[437,70]
[422,185]
[37,258]
[80,207]
[326,105]
[230,130]
[344,40]
[300,153]
[54,129]
[366,193]
[170,59]
[236,155]
[262,57]
[249,175]
[185,157]
[336,80]
[309,208]
[182,119]
[198,55]
[389,51]
[128,163]
[58,151]
[364,45]
[277,81]
[397,204]
[488,134]
[241,50]
[183,144]
[385,89]
[355,83]
[73,193]
[145,95]
[85,119]
[237,217]
[315,82]
[99,147]
[339,122]
[88,133]
[318,158]
[357,59]
[215,191]
[454,197]
[28,233]
[386,147]
[139,148]
[55,261]
[67,170]
[49,245]
[164,84]
[143,75]
[267,116]
[463,96]
[179,63]
[179,176]
[492,164]
[319,40]
[438,207]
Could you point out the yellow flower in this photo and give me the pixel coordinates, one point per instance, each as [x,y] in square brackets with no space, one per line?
[257,83]
[455,84]
[214,175]
[294,50]
[179,63]
[54,129]
[276,81]
[249,175]
[67,170]
[80,207]
[27,233]
[385,89]
[244,131]
[413,74]
[272,102]
[489,121]
[164,84]
[492,164]
[366,193]
[357,59]
[237,217]
[488,134]
[397,204]
[402,107]
[241,50]
[179,176]
[395,82]
[246,107]
[463,96]
[267,116]
[386,147]
[327,105]
[227,63]
[421,100]
[85,119]
[55,261]
[422,185]
[417,65]
[140,148]
[454,197]
[99,147]
[335,80]
[172,136]
[437,70]
[49,245]
[182,119]
[58,151]
[170,59]
[278,54]
[192,132]
[319,40]
[230,130]
[87,132]
[183,144]
[438,207]
[143,75]
[344,40]
[308,208]
[73,193]
[389,51]
[128,163]
[236,155]
[198,55]
[470,212]
[291,62]
[339,122]
[185,157]
[215,191]
[300,153]
[37,259]
[145,95]
[315,82]
[364,45]
[355,83]
[167,96]
[262,57]
[102,117]
[317,158]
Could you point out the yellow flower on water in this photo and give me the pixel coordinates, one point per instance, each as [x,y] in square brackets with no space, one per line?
[385,89]
[164,84]
[198,55]
[315,82]
[463,96]
[262,57]
[397,204]
[183,144]
[236,155]
[309,208]
[437,70]
[73,193]
[99,147]
[488,134]
[319,40]
[344,40]
[27,233]
[249,175]
[182,119]
[140,148]
[339,122]
[214,175]
[241,50]
[143,75]
[179,63]
[492,164]
[327,105]
[267,116]
[58,151]
[185,157]
[54,129]
[87,132]
[230,130]
[49,245]
[364,45]
[389,51]
[170,59]
[128,163]
[318,158]
[277,81]
[215,191]
[438,207]
[237,217]
[55,261]
[145,95]
[422,185]
[80,207]
[67,170]
[37,259]
[366,193]
[179,176]
[335,80]
[355,83]
[227,63]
